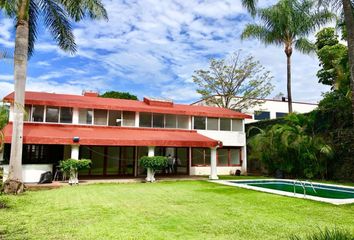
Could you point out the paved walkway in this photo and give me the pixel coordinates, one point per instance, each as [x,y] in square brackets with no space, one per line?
[58,184]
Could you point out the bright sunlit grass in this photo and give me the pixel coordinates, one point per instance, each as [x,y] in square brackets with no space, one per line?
[165,210]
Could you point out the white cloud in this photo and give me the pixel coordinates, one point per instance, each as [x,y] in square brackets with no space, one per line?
[157,45]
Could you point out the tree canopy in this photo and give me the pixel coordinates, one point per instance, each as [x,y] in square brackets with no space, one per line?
[236,76]
[119,95]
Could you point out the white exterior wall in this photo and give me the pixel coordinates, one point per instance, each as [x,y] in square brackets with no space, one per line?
[228,138]
[31,173]
[274,106]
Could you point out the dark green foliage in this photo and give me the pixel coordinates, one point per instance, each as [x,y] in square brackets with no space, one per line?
[69,165]
[292,148]
[326,234]
[154,163]
[333,57]
[119,95]
[4,118]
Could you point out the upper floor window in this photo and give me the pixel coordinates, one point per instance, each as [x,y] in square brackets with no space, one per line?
[37,113]
[128,119]
[85,116]
[183,122]
[280,114]
[213,123]
[261,115]
[100,117]
[66,115]
[158,120]
[237,125]
[225,124]
[145,119]
[115,118]
[52,114]
[199,123]
[170,121]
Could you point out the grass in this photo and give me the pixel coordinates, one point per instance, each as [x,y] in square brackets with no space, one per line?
[165,210]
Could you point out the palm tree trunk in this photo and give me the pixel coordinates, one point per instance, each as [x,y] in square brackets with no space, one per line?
[20,73]
[288,52]
[349,22]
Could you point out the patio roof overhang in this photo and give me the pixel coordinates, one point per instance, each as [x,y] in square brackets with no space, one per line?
[62,134]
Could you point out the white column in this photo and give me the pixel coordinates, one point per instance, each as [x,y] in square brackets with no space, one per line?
[151,151]
[75,151]
[213,168]
[75,116]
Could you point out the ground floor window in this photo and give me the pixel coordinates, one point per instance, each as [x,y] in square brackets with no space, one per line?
[201,156]
[229,156]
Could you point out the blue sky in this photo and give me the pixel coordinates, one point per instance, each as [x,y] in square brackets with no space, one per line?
[151,48]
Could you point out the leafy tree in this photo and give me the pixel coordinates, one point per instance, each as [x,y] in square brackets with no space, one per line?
[119,95]
[292,148]
[56,16]
[287,23]
[333,57]
[236,76]
[152,164]
[346,9]
[4,118]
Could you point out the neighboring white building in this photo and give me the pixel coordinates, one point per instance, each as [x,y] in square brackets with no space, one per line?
[272,108]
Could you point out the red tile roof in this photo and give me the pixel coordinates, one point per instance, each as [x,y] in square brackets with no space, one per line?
[66,100]
[38,133]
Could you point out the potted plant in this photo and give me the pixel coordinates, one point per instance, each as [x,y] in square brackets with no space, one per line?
[71,167]
[151,164]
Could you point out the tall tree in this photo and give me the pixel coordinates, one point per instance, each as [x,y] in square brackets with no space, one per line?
[346,7]
[237,76]
[287,23]
[56,16]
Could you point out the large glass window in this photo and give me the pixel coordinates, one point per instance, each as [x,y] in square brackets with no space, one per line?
[261,115]
[66,115]
[112,161]
[100,117]
[171,121]
[213,123]
[229,156]
[199,123]
[158,120]
[38,113]
[237,125]
[128,119]
[145,120]
[223,156]
[115,118]
[183,122]
[201,156]
[280,114]
[235,156]
[225,124]
[52,114]
[85,116]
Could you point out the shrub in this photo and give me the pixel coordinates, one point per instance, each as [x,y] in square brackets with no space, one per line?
[154,163]
[74,164]
[326,234]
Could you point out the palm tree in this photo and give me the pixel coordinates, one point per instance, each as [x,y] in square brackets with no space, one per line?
[287,23]
[56,15]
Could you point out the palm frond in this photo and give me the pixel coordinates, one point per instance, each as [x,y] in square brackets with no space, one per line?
[33,13]
[57,20]
[259,32]
[80,9]
[250,5]
[305,46]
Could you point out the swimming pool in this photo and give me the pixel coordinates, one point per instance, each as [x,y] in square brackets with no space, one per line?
[330,193]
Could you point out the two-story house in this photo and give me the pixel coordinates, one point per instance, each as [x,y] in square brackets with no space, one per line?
[116,133]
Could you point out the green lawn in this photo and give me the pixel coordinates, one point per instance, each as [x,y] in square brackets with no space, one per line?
[165,210]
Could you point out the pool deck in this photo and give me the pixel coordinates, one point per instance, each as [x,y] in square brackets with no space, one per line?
[288,194]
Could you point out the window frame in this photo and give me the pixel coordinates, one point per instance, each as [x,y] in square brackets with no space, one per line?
[229,157]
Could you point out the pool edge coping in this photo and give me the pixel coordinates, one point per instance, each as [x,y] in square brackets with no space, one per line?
[288,194]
